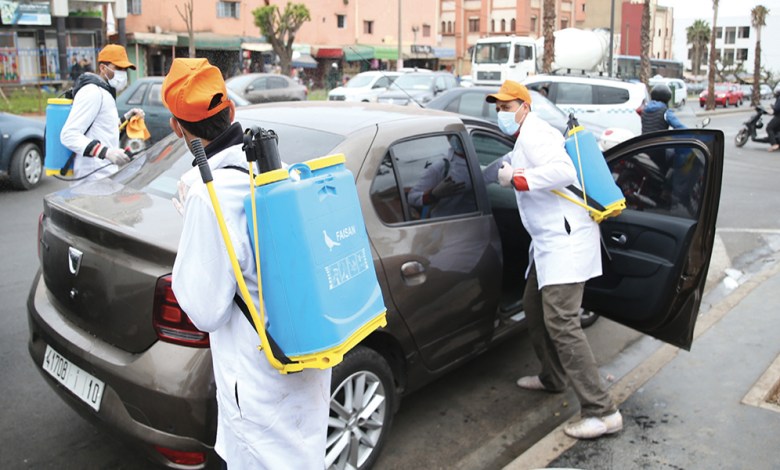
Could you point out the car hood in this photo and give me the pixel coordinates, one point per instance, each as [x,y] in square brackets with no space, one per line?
[103,247]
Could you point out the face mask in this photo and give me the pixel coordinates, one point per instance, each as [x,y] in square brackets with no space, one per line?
[119,80]
[506,122]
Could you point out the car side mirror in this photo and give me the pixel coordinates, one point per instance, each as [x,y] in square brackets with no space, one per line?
[250,88]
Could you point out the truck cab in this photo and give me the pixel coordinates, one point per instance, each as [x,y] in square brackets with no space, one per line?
[500,58]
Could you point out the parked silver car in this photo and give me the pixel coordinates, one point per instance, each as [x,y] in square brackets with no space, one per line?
[267,87]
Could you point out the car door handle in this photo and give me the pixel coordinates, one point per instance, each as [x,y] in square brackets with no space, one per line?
[413,273]
[619,238]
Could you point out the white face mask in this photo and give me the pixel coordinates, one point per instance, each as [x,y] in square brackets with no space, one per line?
[119,80]
[507,123]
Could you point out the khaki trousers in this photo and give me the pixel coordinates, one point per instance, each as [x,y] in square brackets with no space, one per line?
[561,345]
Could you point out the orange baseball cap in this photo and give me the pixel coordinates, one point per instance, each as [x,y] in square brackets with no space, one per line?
[117,55]
[191,89]
[510,91]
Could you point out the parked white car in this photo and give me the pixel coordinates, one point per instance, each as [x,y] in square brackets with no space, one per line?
[610,102]
[678,87]
[365,86]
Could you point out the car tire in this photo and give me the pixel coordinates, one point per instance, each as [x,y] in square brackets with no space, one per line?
[26,166]
[355,440]
[587,318]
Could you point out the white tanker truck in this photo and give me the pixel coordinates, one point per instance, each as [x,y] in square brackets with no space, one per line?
[500,58]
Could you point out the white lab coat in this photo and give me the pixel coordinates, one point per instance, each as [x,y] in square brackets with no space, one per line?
[561,257]
[266,420]
[93,106]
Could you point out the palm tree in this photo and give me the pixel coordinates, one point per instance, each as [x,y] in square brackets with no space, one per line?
[548,27]
[758,18]
[711,71]
[698,37]
[644,40]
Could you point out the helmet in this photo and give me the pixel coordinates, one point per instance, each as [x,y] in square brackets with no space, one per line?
[661,93]
[613,136]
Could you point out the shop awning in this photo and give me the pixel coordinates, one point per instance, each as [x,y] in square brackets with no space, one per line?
[327,52]
[357,52]
[212,41]
[152,39]
[386,52]
[303,60]
[255,46]
[415,51]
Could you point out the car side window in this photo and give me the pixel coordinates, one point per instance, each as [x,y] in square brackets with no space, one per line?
[574,93]
[260,83]
[137,98]
[666,179]
[155,95]
[424,178]
[611,95]
[472,104]
[383,82]
[490,149]
[276,83]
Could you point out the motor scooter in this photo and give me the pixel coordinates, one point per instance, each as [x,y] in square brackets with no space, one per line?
[749,129]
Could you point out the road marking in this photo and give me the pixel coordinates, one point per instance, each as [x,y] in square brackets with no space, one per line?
[556,443]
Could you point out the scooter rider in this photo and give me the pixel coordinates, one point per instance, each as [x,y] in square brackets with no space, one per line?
[656,115]
[266,420]
[773,128]
[565,252]
[91,131]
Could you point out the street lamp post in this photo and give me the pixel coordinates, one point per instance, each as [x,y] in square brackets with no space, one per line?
[400,62]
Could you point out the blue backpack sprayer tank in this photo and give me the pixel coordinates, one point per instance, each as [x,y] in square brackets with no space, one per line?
[600,195]
[58,159]
[319,294]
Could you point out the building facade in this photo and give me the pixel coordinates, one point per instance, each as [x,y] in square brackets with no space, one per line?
[661,29]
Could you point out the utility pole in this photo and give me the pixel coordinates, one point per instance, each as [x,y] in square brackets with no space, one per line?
[400,62]
[611,37]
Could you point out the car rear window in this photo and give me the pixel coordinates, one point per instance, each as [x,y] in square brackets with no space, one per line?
[167,160]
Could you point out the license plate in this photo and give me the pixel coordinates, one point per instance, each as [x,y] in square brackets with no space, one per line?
[84,385]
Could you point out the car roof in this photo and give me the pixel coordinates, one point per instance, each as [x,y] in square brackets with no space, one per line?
[343,117]
[609,81]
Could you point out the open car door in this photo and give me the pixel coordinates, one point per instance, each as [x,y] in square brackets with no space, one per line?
[656,254]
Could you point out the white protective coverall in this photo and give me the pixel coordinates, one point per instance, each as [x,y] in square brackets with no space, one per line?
[266,420]
[565,244]
[93,106]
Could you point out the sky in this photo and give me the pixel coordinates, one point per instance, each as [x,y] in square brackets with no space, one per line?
[703,8]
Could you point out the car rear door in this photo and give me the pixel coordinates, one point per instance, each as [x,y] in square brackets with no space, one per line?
[441,258]
[656,254]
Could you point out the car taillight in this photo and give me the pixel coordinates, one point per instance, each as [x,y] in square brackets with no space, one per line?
[170,321]
[181,457]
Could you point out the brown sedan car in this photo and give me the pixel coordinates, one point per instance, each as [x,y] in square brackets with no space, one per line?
[107,334]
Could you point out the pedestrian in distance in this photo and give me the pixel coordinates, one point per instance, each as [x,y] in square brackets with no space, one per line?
[656,115]
[75,69]
[91,130]
[266,420]
[773,128]
[565,253]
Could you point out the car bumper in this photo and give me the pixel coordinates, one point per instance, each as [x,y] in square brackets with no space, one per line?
[161,397]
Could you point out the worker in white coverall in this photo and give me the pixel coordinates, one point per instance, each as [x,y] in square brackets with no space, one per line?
[91,130]
[266,420]
[564,253]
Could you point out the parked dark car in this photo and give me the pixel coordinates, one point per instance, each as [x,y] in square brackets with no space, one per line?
[102,306]
[471,102]
[145,93]
[417,88]
[267,87]
[21,150]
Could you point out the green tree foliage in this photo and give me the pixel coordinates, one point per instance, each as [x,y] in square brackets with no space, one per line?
[280,27]
[698,35]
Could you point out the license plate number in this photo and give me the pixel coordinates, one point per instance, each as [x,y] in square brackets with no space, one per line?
[83,384]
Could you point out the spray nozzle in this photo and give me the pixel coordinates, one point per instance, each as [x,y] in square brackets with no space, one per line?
[261,146]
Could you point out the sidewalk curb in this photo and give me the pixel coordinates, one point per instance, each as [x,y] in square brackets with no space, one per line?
[556,442]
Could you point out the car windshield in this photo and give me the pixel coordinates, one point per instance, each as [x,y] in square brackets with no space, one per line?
[414,82]
[360,81]
[496,53]
[170,158]
[722,87]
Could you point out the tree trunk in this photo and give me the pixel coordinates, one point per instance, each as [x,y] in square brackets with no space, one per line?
[644,61]
[756,96]
[549,37]
[711,71]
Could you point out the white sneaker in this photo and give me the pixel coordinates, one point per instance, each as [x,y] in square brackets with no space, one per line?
[591,428]
[530,382]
